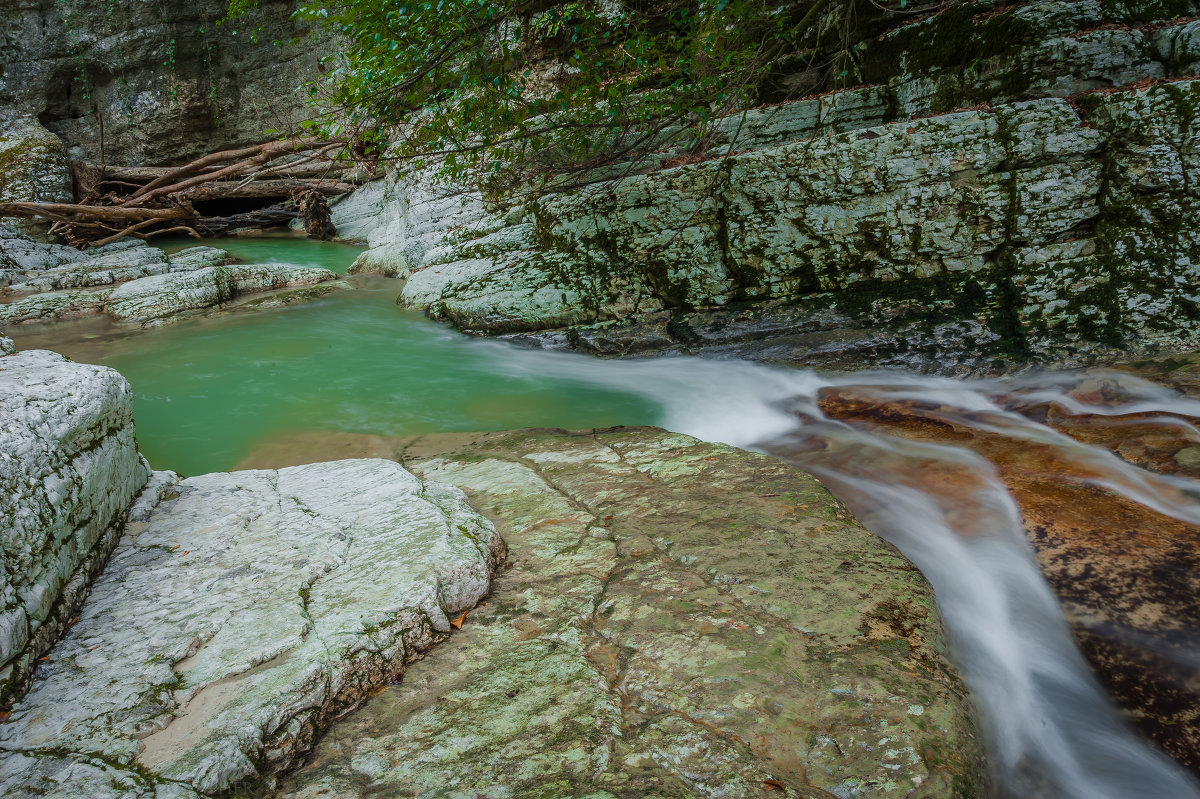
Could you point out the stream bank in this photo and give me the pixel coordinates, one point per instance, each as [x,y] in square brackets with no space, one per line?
[738,403]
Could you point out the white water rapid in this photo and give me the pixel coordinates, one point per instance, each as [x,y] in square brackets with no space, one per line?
[1052,731]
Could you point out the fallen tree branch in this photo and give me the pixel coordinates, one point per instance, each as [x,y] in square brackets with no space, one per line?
[199,165]
[263,154]
[262,188]
[127,231]
[176,229]
[263,217]
[71,212]
[300,169]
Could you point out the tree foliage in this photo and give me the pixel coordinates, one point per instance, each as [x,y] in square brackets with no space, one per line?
[530,91]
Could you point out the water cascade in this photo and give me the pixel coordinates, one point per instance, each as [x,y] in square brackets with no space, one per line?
[953,473]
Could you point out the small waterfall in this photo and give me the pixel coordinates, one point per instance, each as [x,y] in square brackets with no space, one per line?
[1052,731]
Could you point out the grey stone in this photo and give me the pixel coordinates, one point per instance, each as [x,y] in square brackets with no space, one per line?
[69,468]
[643,645]
[152,299]
[238,618]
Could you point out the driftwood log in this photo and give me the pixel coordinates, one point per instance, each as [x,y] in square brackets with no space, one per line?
[286,178]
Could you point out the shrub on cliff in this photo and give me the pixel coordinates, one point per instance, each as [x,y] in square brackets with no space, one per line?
[522,90]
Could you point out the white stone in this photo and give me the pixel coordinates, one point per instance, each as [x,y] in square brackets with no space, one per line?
[241,615]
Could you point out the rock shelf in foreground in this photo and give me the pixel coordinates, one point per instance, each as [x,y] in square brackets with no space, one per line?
[236,620]
[675,619]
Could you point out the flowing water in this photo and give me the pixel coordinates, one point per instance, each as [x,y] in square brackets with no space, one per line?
[948,471]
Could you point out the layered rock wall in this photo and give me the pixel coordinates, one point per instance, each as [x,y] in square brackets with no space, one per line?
[1050,219]
[69,469]
[150,81]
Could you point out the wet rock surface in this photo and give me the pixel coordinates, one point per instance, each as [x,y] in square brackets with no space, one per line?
[1126,573]
[675,619]
[239,615]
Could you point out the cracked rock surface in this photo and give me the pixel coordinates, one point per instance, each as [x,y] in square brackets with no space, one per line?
[236,619]
[676,619]
[69,468]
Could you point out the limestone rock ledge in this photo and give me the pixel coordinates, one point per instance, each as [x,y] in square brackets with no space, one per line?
[1040,229]
[236,620]
[675,619]
[69,468]
[163,295]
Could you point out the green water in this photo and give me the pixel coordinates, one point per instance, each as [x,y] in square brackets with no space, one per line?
[209,391]
[279,248]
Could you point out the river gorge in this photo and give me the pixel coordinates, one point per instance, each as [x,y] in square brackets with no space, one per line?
[600,400]
[966,477]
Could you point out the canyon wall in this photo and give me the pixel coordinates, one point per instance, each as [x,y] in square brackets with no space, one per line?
[147,81]
[1010,183]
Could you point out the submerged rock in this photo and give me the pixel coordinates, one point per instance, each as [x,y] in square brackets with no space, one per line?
[236,620]
[676,619]
[69,468]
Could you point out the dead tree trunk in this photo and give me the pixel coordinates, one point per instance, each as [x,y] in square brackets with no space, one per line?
[113,202]
[318,220]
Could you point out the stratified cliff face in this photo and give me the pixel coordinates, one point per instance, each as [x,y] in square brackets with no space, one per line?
[151,81]
[1012,182]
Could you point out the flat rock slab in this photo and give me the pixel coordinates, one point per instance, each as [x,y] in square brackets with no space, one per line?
[235,620]
[153,300]
[676,619]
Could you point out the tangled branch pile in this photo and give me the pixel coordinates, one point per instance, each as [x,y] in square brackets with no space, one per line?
[114,202]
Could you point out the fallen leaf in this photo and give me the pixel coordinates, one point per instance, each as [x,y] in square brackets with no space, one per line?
[773,785]
[4,714]
[457,623]
[710,459]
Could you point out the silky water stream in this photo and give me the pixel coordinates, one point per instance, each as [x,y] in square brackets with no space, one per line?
[1019,499]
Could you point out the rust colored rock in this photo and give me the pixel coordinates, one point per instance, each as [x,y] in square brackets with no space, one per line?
[1128,577]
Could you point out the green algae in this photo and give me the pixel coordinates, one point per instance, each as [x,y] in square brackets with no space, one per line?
[635,644]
